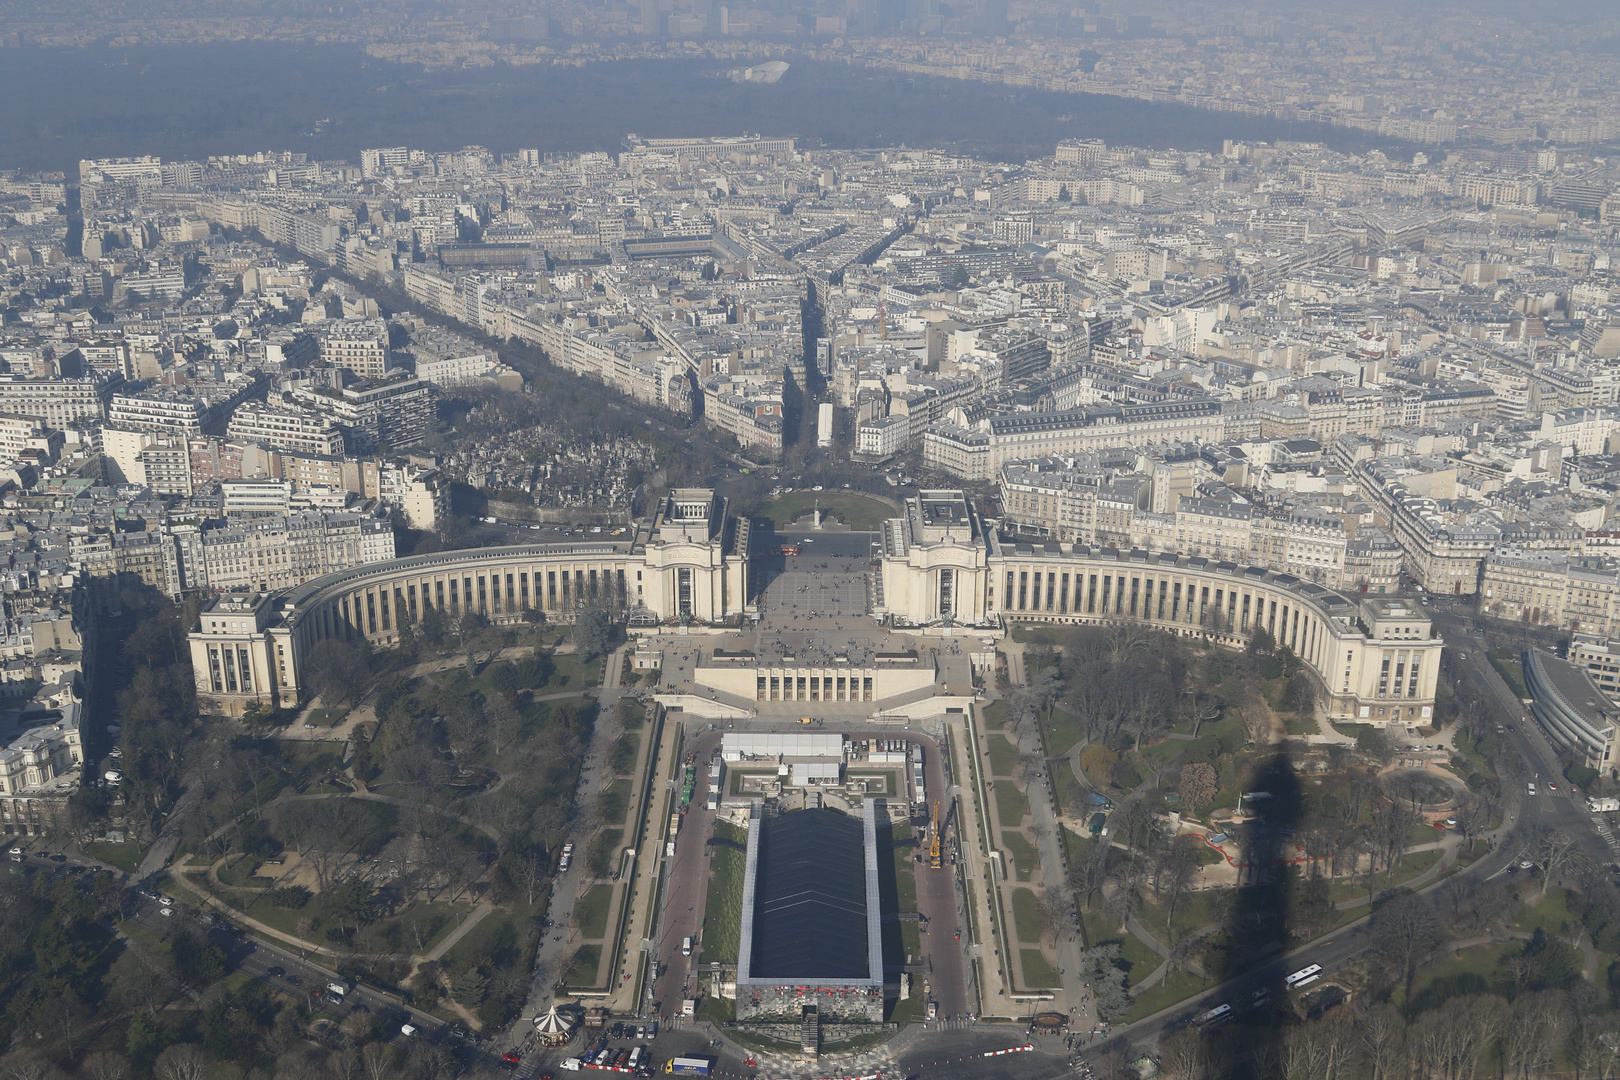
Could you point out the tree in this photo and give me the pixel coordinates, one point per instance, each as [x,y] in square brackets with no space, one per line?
[185,1061]
[1178,863]
[1088,875]
[1407,933]
[351,904]
[1557,851]
[593,632]
[334,670]
[378,1060]
[1261,641]
[1098,761]
[1199,784]
[1382,1034]
[105,1066]
[1532,1033]
[1181,1055]
[1058,908]
[1300,694]
[1107,981]
[435,625]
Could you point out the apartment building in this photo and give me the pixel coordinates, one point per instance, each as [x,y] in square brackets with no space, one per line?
[57,401]
[163,410]
[1552,588]
[286,429]
[360,345]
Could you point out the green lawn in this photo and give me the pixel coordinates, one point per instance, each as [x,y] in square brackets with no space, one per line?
[615,801]
[581,970]
[1410,866]
[501,929]
[905,870]
[1506,663]
[1003,755]
[1102,927]
[1549,913]
[1023,854]
[1038,974]
[125,856]
[325,718]
[570,674]
[996,713]
[857,511]
[723,909]
[1471,971]
[1039,635]
[1027,916]
[1070,792]
[604,852]
[623,755]
[1062,732]
[1177,986]
[1192,911]
[1012,803]
[591,911]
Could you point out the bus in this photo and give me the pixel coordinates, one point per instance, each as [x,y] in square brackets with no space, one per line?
[1213,1016]
[1303,977]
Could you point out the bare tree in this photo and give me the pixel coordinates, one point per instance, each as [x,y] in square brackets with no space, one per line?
[1382,1034]
[1058,908]
[1179,862]
[105,1066]
[1557,851]
[1407,933]
[1532,1033]
[378,1062]
[27,1065]
[532,872]
[1181,1055]
[185,1061]
[1087,876]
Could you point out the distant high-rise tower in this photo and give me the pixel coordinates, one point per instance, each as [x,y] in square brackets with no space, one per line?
[649,19]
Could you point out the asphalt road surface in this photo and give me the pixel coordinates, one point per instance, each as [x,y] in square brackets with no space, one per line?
[281,969]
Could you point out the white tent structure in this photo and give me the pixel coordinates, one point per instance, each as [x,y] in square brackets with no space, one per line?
[553,1027]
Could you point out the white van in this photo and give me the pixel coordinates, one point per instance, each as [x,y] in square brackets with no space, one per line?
[1532,789]
[686,946]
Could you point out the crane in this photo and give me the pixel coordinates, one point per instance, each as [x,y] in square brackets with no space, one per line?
[934,857]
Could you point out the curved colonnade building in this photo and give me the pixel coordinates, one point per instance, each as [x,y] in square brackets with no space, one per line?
[689,562]
[1377,659]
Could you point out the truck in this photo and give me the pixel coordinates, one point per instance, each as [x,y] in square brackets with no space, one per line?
[687,1066]
[1602,806]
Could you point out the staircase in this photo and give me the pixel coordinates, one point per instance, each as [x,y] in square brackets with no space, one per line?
[810,1032]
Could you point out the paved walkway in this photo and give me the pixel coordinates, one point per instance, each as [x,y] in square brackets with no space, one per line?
[992,977]
[473,918]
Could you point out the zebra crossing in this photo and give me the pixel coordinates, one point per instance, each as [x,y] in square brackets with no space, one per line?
[1606,832]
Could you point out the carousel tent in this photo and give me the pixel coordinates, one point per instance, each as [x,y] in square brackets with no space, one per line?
[553,1027]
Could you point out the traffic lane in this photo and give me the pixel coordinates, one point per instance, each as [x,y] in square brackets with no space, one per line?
[280,969]
[961,1055]
[687,891]
[1337,948]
